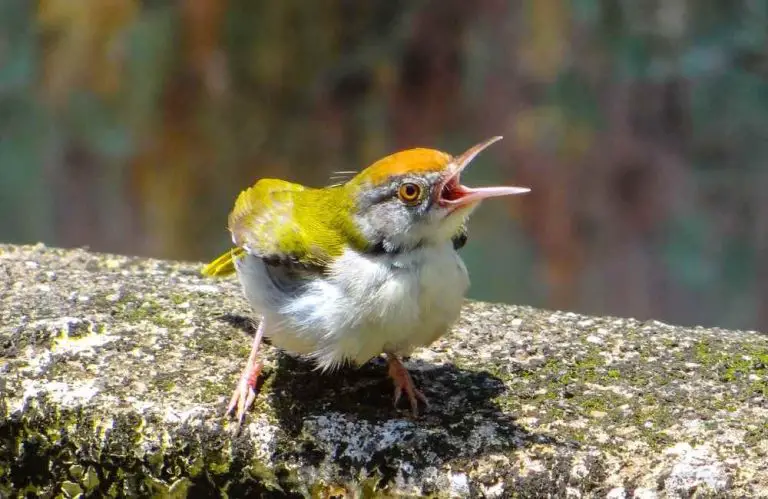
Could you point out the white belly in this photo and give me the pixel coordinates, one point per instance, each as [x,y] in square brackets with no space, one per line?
[365,306]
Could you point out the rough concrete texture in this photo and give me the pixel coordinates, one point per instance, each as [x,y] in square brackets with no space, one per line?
[115,372]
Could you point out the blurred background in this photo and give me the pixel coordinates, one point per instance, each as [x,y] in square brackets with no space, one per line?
[642,127]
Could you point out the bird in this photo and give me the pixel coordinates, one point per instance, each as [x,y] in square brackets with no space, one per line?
[362,268]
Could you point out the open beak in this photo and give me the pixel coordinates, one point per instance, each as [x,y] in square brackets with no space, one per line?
[454,195]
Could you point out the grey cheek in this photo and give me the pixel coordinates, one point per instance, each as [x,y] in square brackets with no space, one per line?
[427,203]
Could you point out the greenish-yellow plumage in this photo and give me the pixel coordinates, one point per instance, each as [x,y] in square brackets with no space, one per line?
[287,221]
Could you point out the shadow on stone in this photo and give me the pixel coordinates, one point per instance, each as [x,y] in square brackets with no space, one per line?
[241,322]
[366,393]
[464,419]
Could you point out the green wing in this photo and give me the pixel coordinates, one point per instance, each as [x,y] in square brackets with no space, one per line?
[262,223]
[285,222]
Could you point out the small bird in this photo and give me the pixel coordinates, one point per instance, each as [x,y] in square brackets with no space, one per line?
[344,273]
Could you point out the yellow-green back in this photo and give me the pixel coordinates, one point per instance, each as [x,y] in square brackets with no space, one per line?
[281,220]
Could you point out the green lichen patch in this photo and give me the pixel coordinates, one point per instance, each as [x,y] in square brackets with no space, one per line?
[741,365]
[116,372]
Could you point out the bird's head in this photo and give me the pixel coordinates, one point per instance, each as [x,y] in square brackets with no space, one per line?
[416,196]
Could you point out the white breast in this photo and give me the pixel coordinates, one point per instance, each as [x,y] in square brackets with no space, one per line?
[365,306]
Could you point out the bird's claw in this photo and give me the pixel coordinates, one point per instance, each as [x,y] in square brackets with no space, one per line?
[404,383]
[414,395]
[245,393]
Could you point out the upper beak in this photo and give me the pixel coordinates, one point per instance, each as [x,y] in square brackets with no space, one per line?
[453,194]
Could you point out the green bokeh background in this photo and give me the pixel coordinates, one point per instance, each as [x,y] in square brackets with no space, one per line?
[642,128]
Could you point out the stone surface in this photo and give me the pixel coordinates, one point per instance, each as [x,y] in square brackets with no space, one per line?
[115,371]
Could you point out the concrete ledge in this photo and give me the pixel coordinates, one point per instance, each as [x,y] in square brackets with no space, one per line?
[115,371]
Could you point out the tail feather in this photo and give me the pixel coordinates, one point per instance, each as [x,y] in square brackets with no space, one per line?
[223,265]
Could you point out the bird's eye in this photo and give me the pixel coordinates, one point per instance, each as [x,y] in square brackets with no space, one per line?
[409,193]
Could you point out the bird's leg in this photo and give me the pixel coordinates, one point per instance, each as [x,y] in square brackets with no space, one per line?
[404,383]
[245,392]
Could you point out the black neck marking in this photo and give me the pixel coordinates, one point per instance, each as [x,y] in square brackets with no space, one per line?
[459,241]
[382,249]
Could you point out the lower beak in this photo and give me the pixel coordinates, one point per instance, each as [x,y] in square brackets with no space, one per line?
[455,195]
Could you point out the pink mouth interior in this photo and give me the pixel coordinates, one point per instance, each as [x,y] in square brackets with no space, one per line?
[452,191]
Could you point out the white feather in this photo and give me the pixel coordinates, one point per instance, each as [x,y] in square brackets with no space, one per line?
[365,305]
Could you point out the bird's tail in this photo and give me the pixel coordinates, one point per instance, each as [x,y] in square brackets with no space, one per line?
[223,265]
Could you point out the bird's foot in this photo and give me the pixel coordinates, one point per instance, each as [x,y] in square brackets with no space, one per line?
[404,383]
[245,393]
